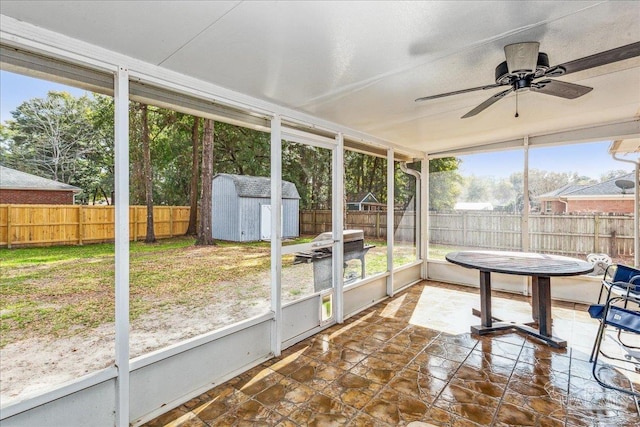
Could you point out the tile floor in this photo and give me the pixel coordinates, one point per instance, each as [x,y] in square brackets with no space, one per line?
[411,360]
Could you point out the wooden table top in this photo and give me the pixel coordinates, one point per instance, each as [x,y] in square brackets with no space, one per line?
[520,263]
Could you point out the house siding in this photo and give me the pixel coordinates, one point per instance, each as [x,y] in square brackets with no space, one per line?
[36,197]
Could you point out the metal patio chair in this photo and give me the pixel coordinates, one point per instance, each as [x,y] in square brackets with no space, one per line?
[626,321]
[621,280]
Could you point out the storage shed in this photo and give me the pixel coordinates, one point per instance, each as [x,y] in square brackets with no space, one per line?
[242,208]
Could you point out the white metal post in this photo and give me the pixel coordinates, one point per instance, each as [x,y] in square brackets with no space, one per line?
[276,233]
[338,226]
[524,221]
[636,200]
[121,150]
[424,214]
[525,198]
[390,219]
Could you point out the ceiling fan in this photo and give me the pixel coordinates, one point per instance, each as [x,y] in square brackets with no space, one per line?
[528,69]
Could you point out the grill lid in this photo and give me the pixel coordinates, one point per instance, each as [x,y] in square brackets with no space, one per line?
[347,236]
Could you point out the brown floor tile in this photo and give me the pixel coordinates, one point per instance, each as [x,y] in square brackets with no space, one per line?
[353,390]
[377,369]
[323,410]
[395,408]
[452,352]
[469,404]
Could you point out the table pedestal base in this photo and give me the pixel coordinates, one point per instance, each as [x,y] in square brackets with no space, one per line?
[500,325]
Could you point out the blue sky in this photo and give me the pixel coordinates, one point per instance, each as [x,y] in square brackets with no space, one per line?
[587,159]
[15,89]
[591,159]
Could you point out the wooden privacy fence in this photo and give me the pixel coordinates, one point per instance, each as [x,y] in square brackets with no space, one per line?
[562,234]
[44,225]
[374,224]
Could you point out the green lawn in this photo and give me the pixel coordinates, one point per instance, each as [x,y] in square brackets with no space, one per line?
[67,290]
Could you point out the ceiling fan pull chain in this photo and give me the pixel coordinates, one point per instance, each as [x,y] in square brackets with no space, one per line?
[517,115]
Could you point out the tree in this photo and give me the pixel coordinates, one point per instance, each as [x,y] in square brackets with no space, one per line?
[193,190]
[56,138]
[147,170]
[477,189]
[205,232]
[613,174]
[365,174]
[444,183]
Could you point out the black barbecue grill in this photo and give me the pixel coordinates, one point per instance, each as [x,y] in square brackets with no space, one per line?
[354,248]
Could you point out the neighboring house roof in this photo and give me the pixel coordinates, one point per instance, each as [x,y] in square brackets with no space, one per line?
[364,198]
[606,188]
[259,186]
[562,191]
[11,179]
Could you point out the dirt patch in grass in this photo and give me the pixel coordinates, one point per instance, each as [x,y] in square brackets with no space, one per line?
[57,308]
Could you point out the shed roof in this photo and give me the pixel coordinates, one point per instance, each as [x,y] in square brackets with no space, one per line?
[259,186]
[11,179]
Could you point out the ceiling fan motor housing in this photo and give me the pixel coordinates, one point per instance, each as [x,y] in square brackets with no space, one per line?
[504,77]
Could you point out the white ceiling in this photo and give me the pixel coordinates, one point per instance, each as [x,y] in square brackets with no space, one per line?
[361,64]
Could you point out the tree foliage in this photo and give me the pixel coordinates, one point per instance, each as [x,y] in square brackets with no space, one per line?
[445,183]
[71,139]
[60,137]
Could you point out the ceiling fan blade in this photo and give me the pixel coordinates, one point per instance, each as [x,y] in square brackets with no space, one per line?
[457,92]
[607,57]
[486,104]
[561,89]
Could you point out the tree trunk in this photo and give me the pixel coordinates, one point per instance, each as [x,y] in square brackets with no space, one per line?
[148,181]
[205,234]
[192,229]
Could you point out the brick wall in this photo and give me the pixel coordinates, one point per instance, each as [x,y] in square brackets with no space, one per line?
[36,197]
[609,206]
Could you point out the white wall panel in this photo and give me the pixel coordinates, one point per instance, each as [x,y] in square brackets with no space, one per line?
[359,297]
[171,381]
[300,317]
[405,276]
[94,406]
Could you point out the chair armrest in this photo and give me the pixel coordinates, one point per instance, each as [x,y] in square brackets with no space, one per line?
[635,280]
[606,272]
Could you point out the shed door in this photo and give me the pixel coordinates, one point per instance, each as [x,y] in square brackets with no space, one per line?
[265,222]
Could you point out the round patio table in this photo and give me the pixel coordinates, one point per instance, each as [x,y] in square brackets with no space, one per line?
[540,267]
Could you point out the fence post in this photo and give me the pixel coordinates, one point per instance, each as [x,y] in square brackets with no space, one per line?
[135,223]
[377,224]
[80,224]
[170,221]
[596,233]
[315,220]
[464,228]
[9,226]
[613,251]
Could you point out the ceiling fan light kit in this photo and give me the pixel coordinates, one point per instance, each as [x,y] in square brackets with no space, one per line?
[524,64]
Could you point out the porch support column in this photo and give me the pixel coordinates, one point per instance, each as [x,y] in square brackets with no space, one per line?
[276,234]
[338,225]
[424,215]
[390,219]
[524,221]
[121,152]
